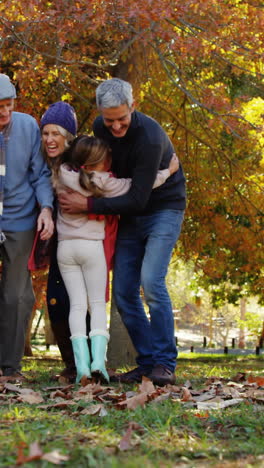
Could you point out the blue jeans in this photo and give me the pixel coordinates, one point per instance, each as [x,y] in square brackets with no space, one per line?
[143,251]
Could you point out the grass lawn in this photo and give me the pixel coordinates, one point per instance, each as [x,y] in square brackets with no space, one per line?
[165,431]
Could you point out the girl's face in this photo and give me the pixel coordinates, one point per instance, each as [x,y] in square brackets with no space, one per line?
[53,141]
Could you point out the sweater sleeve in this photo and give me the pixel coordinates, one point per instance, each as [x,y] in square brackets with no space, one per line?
[114,187]
[147,162]
[39,173]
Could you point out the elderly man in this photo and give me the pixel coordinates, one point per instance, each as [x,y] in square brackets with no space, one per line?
[26,198]
[149,227]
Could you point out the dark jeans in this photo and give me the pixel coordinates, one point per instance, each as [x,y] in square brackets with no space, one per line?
[143,251]
[16,298]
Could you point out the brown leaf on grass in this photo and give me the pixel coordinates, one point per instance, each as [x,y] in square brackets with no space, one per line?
[12,388]
[35,453]
[90,387]
[219,404]
[113,397]
[61,394]
[126,443]
[258,380]
[173,388]
[234,384]
[63,388]
[55,457]
[87,397]
[133,402]
[205,396]
[188,384]
[147,386]
[240,377]
[186,394]
[231,391]
[161,397]
[94,409]
[204,415]
[31,398]
[213,380]
[253,394]
[137,400]
[60,405]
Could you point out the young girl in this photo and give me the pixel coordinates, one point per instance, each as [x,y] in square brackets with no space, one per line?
[81,256]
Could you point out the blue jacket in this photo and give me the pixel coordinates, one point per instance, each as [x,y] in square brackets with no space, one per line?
[27,185]
[144,150]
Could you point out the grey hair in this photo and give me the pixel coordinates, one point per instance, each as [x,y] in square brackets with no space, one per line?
[114,93]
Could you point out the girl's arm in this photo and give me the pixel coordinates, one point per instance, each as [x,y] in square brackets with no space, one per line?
[114,187]
[163,174]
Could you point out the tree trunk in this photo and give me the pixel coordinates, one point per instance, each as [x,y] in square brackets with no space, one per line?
[121,351]
[261,337]
[241,339]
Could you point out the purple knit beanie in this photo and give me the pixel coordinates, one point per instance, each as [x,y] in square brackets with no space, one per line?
[60,113]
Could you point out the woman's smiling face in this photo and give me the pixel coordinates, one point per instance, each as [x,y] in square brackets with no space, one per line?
[53,141]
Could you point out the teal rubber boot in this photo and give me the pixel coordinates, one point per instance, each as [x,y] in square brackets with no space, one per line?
[81,357]
[99,345]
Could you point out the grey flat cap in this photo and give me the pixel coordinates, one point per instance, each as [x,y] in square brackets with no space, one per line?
[7,89]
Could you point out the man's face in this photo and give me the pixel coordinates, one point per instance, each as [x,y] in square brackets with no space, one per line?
[6,108]
[117,119]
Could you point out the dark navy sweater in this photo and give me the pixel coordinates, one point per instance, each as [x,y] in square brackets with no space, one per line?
[144,150]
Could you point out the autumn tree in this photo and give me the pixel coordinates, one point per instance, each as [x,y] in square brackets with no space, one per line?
[197,67]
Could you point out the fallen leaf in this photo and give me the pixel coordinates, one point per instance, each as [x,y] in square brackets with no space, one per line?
[186,394]
[31,398]
[61,405]
[146,386]
[60,394]
[55,457]
[93,410]
[201,415]
[125,443]
[205,396]
[216,405]
[258,380]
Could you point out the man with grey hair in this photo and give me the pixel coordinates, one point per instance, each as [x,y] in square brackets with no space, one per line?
[25,190]
[149,226]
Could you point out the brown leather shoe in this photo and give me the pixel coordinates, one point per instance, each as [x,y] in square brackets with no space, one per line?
[133,376]
[161,375]
[69,373]
[10,374]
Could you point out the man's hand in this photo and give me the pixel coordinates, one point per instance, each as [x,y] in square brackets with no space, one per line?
[174,164]
[72,202]
[45,223]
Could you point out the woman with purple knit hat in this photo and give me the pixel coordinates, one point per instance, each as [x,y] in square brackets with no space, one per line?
[59,127]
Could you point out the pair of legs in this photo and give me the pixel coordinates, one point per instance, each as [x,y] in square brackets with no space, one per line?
[16,299]
[143,252]
[83,268]
[58,305]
